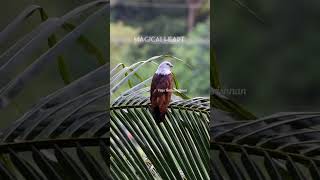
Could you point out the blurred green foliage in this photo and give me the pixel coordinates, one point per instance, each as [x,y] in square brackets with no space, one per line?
[276,62]
[129,21]
[198,57]
[121,32]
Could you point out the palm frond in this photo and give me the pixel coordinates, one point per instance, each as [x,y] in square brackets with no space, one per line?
[242,146]
[57,128]
[166,146]
[176,149]
[220,102]
[280,146]
[277,146]
[65,135]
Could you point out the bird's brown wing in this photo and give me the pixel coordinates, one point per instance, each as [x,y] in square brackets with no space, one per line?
[160,94]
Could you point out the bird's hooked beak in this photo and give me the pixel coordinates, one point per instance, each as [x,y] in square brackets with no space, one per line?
[171,65]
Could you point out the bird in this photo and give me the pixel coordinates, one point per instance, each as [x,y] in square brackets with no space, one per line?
[161,91]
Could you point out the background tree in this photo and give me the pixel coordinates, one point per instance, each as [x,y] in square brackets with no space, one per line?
[168,18]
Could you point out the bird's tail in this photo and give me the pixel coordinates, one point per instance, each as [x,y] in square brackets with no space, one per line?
[158,116]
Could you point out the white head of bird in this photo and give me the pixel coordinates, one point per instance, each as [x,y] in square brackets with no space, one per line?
[164,68]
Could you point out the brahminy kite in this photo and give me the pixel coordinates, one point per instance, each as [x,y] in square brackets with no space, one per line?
[161,91]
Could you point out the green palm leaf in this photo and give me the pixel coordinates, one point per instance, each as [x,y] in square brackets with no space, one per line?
[278,146]
[64,135]
[175,149]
